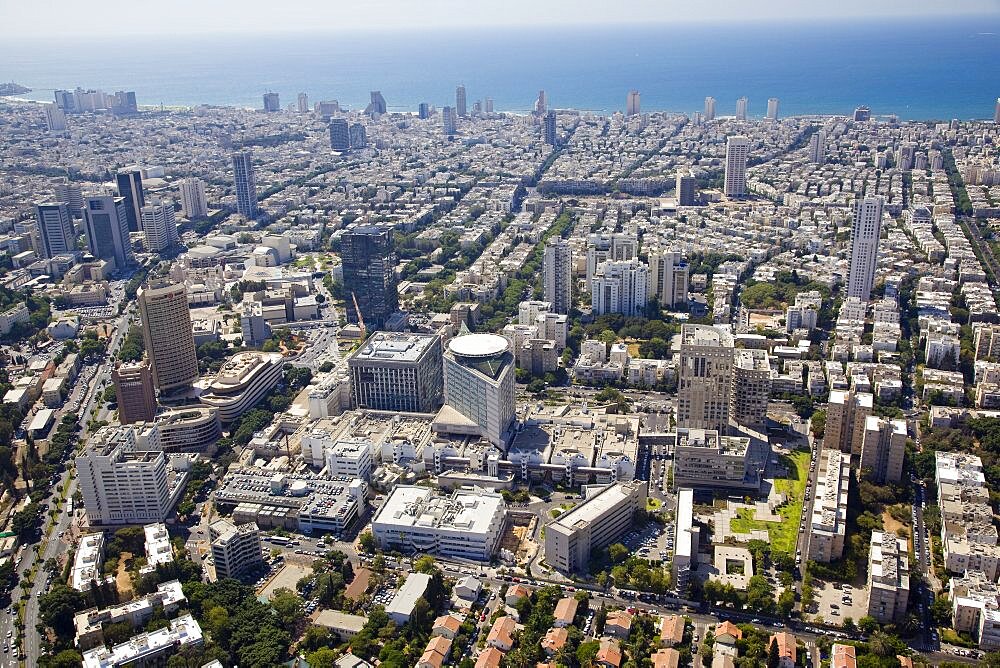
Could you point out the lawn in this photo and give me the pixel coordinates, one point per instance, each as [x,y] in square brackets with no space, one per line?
[652,503]
[783,534]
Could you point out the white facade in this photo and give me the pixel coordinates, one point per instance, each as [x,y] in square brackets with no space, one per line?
[235,549]
[668,277]
[742,107]
[865,232]
[737,151]
[772,108]
[632,103]
[557,274]
[159,225]
[479,382]
[193,200]
[619,287]
[705,378]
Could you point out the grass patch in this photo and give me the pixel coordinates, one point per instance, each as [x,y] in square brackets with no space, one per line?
[652,503]
[783,534]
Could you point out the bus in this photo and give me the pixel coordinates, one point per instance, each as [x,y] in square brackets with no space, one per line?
[279,540]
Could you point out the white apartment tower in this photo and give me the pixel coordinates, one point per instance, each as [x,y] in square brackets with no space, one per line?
[705,378]
[996,111]
[742,105]
[737,151]
[193,200]
[632,103]
[246,184]
[159,226]
[55,118]
[772,108]
[668,277]
[449,120]
[817,147]
[615,246]
[751,388]
[709,108]
[557,274]
[619,287]
[882,449]
[461,105]
[865,234]
[303,103]
[169,338]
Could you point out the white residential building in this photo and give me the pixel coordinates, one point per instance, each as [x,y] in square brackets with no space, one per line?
[865,232]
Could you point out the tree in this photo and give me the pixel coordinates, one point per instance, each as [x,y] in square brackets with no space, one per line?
[425,564]
[324,657]
[67,658]
[868,624]
[288,605]
[773,658]
[57,608]
[617,553]
[786,602]
[587,652]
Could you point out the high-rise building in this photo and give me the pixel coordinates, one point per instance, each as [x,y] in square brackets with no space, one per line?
[709,108]
[817,147]
[460,104]
[135,392]
[996,111]
[65,100]
[56,228]
[369,266]
[340,135]
[449,121]
[398,372]
[129,181]
[159,225]
[271,102]
[236,549]
[705,378]
[619,287]
[668,277]
[686,188]
[167,332]
[106,223]
[557,274]
[303,103]
[882,448]
[772,108]
[125,103]
[737,151]
[193,200]
[377,104]
[865,234]
[549,130]
[358,136]
[846,416]
[246,184]
[751,389]
[55,118]
[632,103]
[489,105]
[614,246]
[72,194]
[862,114]
[424,111]
[742,108]
[541,103]
[479,383]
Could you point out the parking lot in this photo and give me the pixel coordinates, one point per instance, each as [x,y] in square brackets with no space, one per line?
[838,602]
[287,577]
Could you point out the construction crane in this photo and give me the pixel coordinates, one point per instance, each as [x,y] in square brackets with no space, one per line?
[357,309]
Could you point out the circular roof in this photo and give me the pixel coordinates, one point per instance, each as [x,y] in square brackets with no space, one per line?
[478,345]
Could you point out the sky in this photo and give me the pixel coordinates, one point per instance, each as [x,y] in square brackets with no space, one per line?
[90,18]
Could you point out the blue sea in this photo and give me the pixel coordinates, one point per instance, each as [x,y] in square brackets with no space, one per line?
[915,69]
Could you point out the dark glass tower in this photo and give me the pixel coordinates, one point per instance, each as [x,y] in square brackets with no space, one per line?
[369,275]
[130,187]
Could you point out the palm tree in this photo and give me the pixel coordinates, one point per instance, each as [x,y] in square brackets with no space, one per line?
[880,644]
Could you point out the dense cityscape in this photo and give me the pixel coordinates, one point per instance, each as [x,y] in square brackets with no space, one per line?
[306,385]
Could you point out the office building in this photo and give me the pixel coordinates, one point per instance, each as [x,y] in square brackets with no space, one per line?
[340,135]
[358,136]
[369,263]
[686,188]
[106,223]
[236,549]
[846,416]
[193,200]
[167,332]
[737,151]
[888,577]
[377,104]
[817,147]
[56,228]
[772,108]
[828,525]
[70,193]
[751,388]
[135,392]
[541,103]
[489,105]
[187,429]
[632,103]
[125,103]
[620,287]
[882,448]
[424,111]
[709,108]
[668,277]
[245,183]
[303,103]
[862,114]
[549,129]
[159,225]
[348,457]
[129,182]
[449,121]
[742,107]
[55,118]
[557,274]
[704,378]
[65,100]
[460,103]
[708,459]
[398,372]
[598,521]
[688,538]
[865,232]
[468,524]
[241,383]
[122,484]
[271,102]
[148,649]
[479,383]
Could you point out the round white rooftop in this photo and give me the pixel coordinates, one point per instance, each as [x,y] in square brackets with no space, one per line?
[478,345]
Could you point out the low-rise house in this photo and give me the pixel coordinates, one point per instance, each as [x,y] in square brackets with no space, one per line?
[489,658]
[727,635]
[609,655]
[447,626]
[618,624]
[843,656]
[671,630]
[565,611]
[554,640]
[786,649]
[436,653]
[666,658]
[501,634]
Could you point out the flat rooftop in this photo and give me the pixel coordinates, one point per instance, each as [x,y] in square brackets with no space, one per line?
[594,507]
[395,347]
[705,335]
[420,507]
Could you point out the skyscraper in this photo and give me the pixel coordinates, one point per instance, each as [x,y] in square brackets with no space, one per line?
[632,103]
[65,100]
[619,286]
[193,199]
[742,106]
[737,150]
[704,378]
[246,184]
[129,182]
[817,147]
[107,230]
[135,392]
[557,274]
[549,129]
[449,121]
[369,274]
[72,194]
[862,114]
[541,103]
[56,228]
[159,224]
[479,382]
[709,108]
[996,111]
[865,234]
[460,101]
[686,188]
[358,136]
[125,103]
[166,330]
[55,118]
[303,103]
[271,102]
[424,111]
[772,108]
[668,277]
[377,104]
[340,135]
[489,105]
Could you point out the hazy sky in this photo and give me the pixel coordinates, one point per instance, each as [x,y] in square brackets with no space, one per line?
[107,18]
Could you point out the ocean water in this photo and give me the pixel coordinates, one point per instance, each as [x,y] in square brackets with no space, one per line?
[915,69]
